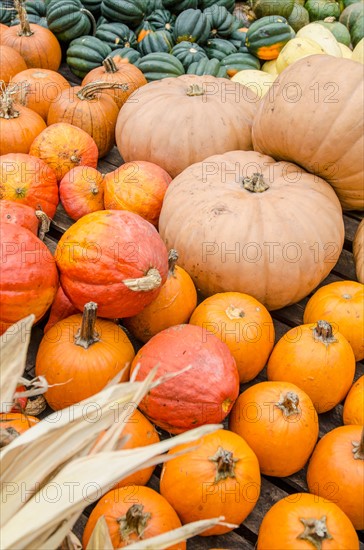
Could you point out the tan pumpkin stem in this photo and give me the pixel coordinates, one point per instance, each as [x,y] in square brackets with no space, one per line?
[255,184]
[7,435]
[315,532]
[234,312]
[172,260]
[23,19]
[358,447]
[87,335]
[323,332]
[90,90]
[8,97]
[44,224]
[288,403]
[135,522]
[150,281]
[92,20]
[195,89]
[109,65]
[330,19]
[225,464]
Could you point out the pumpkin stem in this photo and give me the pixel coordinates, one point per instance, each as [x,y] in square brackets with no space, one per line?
[134,521]
[255,184]
[150,281]
[90,90]
[92,20]
[234,312]
[323,332]
[23,18]
[87,335]
[9,95]
[109,65]
[35,406]
[330,19]
[288,404]
[358,447]
[315,531]
[172,259]
[44,224]
[7,435]
[225,464]
[195,89]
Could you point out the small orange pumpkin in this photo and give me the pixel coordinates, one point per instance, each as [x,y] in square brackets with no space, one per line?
[341,304]
[336,471]
[244,324]
[173,305]
[272,417]
[20,214]
[353,412]
[317,361]
[11,63]
[81,191]
[13,424]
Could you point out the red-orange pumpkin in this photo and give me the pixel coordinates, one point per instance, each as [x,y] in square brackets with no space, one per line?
[14,424]
[61,308]
[353,412]
[11,63]
[20,214]
[81,191]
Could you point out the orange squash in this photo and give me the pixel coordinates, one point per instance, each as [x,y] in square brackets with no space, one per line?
[305,521]
[150,515]
[272,417]
[319,362]
[139,187]
[219,476]
[11,63]
[358,251]
[173,305]
[13,424]
[336,471]
[61,309]
[353,412]
[244,324]
[20,214]
[341,304]
[81,191]
[80,355]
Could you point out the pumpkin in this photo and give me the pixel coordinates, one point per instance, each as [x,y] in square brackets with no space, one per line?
[320,9]
[11,63]
[85,54]
[222,22]
[149,516]
[237,62]
[61,309]
[42,86]
[322,36]
[336,470]
[119,260]
[156,41]
[63,146]
[270,67]
[188,53]
[353,412]
[298,18]
[29,278]
[19,126]
[20,214]
[314,141]
[243,324]
[302,520]
[192,26]
[69,20]
[187,102]
[296,49]
[358,250]
[223,477]
[234,197]
[130,12]
[28,180]
[159,65]
[91,352]
[272,417]
[267,36]
[116,70]
[13,424]
[161,19]
[264,8]
[318,361]
[173,305]
[138,187]
[339,30]
[81,191]
[186,401]
[219,48]
[341,304]
[207,66]
[258,81]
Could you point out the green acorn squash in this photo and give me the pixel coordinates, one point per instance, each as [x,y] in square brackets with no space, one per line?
[191,26]
[156,41]
[298,18]
[222,22]
[161,20]
[318,10]
[69,20]
[263,8]
[130,54]
[339,30]
[94,6]
[207,66]
[37,13]
[228,4]
[116,35]
[178,6]
[188,52]
[156,66]
[239,62]
[219,48]
[86,53]
[266,37]
[130,12]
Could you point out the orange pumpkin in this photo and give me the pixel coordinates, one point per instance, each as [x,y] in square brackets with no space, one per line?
[244,324]
[82,191]
[358,251]
[28,180]
[63,147]
[139,187]
[173,305]
[336,471]
[305,521]
[11,63]
[317,361]
[219,476]
[272,417]
[13,424]
[151,515]
[353,412]
[119,70]
[19,214]
[80,355]
[61,309]
[42,87]
[341,304]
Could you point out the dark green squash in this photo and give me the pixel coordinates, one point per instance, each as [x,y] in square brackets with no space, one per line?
[143,29]
[228,4]
[188,52]
[156,66]
[262,8]
[116,35]
[339,30]
[219,48]
[7,14]
[222,22]
[156,41]
[161,20]
[207,66]
[69,20]
[267,36]
[191,26]
[320,9]
[357,30]
[86,53]
[238,38]
[349,2]
[130,54]
[178,6]
[239,62]
[101,21]
[130,12]
[37,13]
[153,5]
[351,14]
[94,6]
[299,17]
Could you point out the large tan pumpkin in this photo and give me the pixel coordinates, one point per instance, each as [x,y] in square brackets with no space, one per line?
[358,249]
[315,119]
[175,122]
[275,236]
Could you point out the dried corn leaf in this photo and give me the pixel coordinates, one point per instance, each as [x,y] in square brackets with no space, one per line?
[100,537]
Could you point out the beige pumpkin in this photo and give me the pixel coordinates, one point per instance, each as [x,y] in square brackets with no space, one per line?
[358,52]
[322,36]
[270,67]
[358,250]
[258,81]
[175,122]
[236,231]
[345,50]
[296,49]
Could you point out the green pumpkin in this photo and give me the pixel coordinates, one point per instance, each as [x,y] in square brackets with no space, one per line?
[191,26]
[262,8]
[349,2]
[238,38]
[218,48]
[156,66]
[127,53]
[228,4]
[207,66]
[318,10]
[37,13]
[86,53]
[357,30]
[116,35]
[130,12]
[101,21]
[267,36]
[178,6]
[299,17]
[7,14]
[239,62]
[339,30]
[94,6]
[188,52]
[161,20]
[351,14]
[222,22]
[69,20]
[156,41]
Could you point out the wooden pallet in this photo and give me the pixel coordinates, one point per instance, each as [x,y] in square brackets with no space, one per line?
[273,489]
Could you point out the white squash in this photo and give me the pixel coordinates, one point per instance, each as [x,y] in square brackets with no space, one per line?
[346,51]
[258,81]
[296,49]
[270,67]
[322,36]
[358,52]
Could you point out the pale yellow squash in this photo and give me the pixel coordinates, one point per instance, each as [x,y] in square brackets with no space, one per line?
[322,36]
[258,81]
[270,67]
[346,51]
[296,49]
[358,52]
